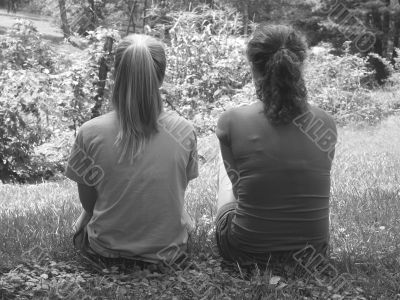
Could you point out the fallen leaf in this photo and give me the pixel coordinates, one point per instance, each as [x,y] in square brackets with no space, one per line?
[274,280]
[281,286]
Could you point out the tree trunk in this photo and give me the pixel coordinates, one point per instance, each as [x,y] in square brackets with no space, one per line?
[394,32]
[246,18]
[103,71]
[64,19]
[92,13]
[144,14]
[386,33]
[396,35]
[131,23]
[377,25]
[391,36]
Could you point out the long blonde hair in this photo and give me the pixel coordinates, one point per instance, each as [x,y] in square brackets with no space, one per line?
[139,72]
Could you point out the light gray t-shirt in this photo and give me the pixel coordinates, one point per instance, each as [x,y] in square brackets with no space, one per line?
[140,206]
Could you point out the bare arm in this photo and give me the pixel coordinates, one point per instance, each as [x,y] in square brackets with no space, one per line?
[228,174]
[228,177]
[88,197]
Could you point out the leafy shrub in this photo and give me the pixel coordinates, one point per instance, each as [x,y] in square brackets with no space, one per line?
[23,48]
[342,85]
[393,67]
[74,95]
[44,98]
[25,67]
[388,94]
[42,95]
[79,81]
[206,65]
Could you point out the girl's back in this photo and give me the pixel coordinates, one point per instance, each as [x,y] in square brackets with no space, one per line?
[284,178]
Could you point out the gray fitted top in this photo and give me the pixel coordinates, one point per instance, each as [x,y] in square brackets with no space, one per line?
[284,178]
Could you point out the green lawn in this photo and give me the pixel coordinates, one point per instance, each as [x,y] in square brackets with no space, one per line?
[365,237]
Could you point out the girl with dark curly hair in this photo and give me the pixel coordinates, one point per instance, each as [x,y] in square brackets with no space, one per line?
[274,187]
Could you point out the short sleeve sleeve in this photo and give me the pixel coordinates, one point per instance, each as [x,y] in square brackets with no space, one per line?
[222,130]
[192,169]
[79,162]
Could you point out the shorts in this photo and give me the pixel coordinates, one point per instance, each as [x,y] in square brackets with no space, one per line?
[230,253]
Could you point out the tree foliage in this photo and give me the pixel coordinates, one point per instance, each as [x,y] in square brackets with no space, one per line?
[25,66]
[45,97]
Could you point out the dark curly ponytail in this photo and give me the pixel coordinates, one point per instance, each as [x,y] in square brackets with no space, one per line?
[276,54]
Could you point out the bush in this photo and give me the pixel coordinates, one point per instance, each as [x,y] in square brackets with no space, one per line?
[42,95]
[23,48]
[393,68]
[74,100]
[206,65]
[79,80]
[44,98]
[25,67]
[342,86]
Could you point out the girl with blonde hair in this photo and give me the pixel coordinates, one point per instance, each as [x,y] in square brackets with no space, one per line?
[132,165]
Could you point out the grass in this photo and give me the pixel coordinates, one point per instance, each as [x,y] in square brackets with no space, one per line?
[365,239]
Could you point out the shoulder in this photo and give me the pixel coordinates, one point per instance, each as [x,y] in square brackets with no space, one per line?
[229,114]
[223,130]
[224,120]
[315,117]
[179,129]
[319,111]
[171,121]
[99,124]
[98,128]
[323,115]
[241,112]
[225,116]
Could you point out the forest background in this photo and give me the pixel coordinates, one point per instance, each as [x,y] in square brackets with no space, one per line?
[45,95]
